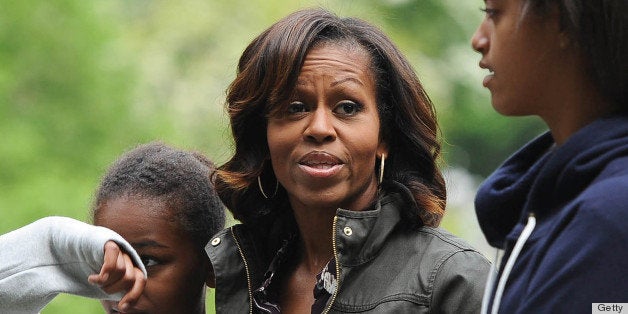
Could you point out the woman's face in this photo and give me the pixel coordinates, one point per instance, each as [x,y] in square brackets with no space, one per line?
[324,143]
[176,269]
[522,53]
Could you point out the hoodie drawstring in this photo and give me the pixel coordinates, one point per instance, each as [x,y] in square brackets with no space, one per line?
[523,237]
[490,281]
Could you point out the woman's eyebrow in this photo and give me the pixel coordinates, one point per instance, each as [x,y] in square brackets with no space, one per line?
[346,79]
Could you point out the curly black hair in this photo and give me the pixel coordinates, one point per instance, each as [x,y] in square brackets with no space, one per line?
[181,178]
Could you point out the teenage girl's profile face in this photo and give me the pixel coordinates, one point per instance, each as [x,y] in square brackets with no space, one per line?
[522,52]
[176,269]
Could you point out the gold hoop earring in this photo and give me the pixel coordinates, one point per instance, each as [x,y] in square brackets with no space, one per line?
[259,183]
[381,168]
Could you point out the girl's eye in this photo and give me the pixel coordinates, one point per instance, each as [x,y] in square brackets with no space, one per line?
[297,107]
[149,261]
[348,108]
[489,12]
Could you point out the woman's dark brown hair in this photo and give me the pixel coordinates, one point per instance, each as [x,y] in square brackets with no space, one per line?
[266,77]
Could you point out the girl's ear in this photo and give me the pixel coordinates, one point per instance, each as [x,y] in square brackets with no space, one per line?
[563,41]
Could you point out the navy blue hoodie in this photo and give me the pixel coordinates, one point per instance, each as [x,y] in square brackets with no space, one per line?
[578,192]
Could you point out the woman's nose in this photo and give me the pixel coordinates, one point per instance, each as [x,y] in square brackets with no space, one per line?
[320,127]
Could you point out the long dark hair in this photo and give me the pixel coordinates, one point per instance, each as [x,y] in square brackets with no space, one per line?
[266,76]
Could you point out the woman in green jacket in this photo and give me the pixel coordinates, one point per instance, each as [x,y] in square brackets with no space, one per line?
[335,181]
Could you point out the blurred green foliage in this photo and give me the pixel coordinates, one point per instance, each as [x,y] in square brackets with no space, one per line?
[83,81]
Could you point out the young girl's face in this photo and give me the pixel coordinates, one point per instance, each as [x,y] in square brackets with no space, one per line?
[176,268]
[522,51]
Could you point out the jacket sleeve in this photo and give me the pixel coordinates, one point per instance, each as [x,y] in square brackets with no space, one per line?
[459,283]
[50,256]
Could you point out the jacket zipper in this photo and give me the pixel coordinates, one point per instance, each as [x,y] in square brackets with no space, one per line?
[333,239]
[246,268]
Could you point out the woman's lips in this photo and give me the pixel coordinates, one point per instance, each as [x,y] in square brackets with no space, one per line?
[321,172]
[320,164]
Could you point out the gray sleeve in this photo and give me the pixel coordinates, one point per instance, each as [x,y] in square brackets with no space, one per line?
[50,256]
[460,282]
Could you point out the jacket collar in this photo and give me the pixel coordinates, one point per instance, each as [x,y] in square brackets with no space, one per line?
[359,235]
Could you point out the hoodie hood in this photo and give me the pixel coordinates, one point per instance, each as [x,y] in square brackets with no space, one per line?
[540,178]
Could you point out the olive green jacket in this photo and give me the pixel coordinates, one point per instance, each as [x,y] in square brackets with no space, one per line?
[382,267]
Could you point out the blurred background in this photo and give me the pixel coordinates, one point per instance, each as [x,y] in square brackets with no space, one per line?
[83,81]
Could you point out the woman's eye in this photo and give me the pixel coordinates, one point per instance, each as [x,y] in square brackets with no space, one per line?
[149,261]
[348,108]
[297,107]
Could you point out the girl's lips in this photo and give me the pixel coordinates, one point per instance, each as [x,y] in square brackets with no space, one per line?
[114,310]
[487,79]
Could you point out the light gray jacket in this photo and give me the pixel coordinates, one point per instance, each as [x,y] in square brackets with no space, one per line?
[50,256]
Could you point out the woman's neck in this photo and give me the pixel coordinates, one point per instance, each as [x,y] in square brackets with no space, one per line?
[316,244]
[315,223]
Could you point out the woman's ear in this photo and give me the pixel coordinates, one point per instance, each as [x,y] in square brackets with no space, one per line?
[210,278]
[382,149]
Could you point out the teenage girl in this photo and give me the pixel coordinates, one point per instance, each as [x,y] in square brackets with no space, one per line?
[558,206]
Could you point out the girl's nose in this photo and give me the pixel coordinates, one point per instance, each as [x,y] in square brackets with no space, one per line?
[479,41]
